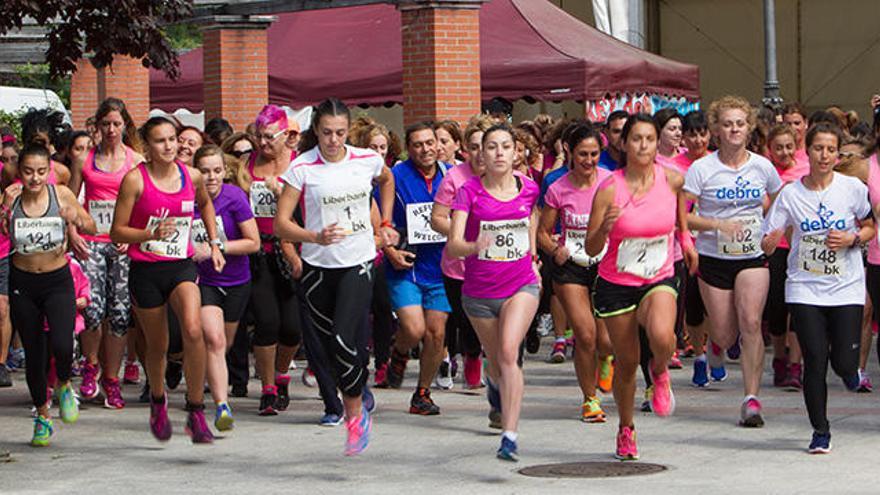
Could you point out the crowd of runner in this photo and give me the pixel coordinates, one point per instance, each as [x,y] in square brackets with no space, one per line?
[636,242]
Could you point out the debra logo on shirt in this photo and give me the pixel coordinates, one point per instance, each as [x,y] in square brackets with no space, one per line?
[824,222]
[741,190]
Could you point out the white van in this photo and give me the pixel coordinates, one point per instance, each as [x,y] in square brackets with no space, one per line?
[14,99]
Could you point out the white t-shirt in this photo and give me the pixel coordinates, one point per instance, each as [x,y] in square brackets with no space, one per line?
[817,275]
[725,193]
[337,192]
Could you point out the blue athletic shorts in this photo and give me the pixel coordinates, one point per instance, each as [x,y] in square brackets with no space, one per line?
[405,292]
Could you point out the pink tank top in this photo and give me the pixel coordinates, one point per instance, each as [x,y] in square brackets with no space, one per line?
[155,204]
[874,196]
[5,243]
[640,244]
[101,191]
[263,201]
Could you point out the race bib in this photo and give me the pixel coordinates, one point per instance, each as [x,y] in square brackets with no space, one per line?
[102,213]
[576,243]
[745,242]
[643,257]
[418,224]
[817,258]
[38,235]
[263,201]
[349,210]
[175,246]
[509,240]
[200,234]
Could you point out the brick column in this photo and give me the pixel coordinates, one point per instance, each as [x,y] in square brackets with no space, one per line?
[127,79]
[441,59]
[83,93]
[236,79]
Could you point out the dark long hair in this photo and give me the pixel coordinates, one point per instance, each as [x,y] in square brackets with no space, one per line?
[332,107]
[130,135]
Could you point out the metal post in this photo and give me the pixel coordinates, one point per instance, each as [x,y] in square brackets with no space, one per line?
[771,81]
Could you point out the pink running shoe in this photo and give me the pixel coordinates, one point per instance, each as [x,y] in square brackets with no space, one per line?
[88,389]
[750,413]
[159,423]
[112,393]
[675,362]
[380,374]
[132,374]
[627,450]
[197,427]
[358,433]
[473,370]
[663,400]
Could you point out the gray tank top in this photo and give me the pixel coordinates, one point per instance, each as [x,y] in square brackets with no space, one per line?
[36,235]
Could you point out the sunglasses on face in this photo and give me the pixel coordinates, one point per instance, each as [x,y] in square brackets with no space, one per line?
[240,153]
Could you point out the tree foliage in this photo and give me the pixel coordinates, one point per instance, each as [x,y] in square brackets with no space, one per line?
[101,28]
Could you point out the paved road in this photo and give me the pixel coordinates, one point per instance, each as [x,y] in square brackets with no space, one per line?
[113,452]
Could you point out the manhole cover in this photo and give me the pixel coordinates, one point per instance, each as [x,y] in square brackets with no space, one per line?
[592,470]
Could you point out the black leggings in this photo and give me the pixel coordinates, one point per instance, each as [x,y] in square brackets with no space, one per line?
[826,332]
[460,335]
[872,279]
[339,303]
[383,323]
[36,299]
[681,272]
[775,311]
[274,305]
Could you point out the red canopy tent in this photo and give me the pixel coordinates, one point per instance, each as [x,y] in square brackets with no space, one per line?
[528,49]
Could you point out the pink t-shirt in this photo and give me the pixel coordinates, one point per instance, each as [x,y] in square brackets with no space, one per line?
[455,178]
[506,266]
[574,205]
[874,195]
[155,203]
[640,244]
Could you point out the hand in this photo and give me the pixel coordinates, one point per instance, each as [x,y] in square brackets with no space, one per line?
[202,251]
[68,214]
[728,228]
[217,258]
[121,247]
[398,258]
[774,237]
[78,246]
[330,234]
[692,260]
[561,255]
[482,244]
[81,303]
[611,215]
[11,192]
[875,101]
[557,149]
[390,236]
[536,267]
[163,230]
[296,265]
[838,239]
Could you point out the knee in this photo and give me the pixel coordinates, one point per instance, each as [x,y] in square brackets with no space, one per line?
[585,343]
[507,357]
[436,336]
[215,342]
[191,330]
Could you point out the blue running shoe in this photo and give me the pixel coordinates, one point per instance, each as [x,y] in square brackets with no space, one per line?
[223,420]
[701,375]
[507,451]
[331,420]
[369,400]
[851,382]
[718,374]
[821,443]
[734,351]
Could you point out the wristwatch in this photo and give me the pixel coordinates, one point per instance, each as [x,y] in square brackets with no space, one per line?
[219,243]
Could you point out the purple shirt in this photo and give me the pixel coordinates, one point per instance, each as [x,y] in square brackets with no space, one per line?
[500,271]
[233,207]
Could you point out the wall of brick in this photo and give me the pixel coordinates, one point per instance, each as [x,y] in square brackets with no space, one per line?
[235,75]
[126,79]
[441,62]
[83,93]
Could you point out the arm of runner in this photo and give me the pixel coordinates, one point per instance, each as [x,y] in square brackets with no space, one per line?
[549,216]
[440,220]
[286,228]
[386,206]
[129,191]
[206,209]
[691,258]
[603,214]
[73,212]
[249,242]
[457,246]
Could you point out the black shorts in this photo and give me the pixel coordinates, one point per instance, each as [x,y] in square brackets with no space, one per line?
[151,283]
[572,273]
[775,310]
[612,299]
[694,309]
[722,274]
[233,299]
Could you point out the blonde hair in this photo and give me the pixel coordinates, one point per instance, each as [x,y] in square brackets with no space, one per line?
[236,172]
[731,102]
[478,123]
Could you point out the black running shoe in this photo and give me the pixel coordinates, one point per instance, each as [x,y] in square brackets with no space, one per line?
[239,390]
[145,393]
[268,400]
[422,404]
[173,374]
[396,370]
[282,383]
[533,341]
[5,379]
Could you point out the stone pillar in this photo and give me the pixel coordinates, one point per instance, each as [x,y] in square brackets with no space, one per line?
[236,79]
[441,59]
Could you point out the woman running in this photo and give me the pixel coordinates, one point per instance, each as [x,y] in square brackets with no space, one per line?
[494,221]
[829,215]
[108,316]
[636,212]
[335,183]
[731,187]
[568,202]
[274,304]
[190,140]
[782,145]
[41,285]
[224,294]
[154,214]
